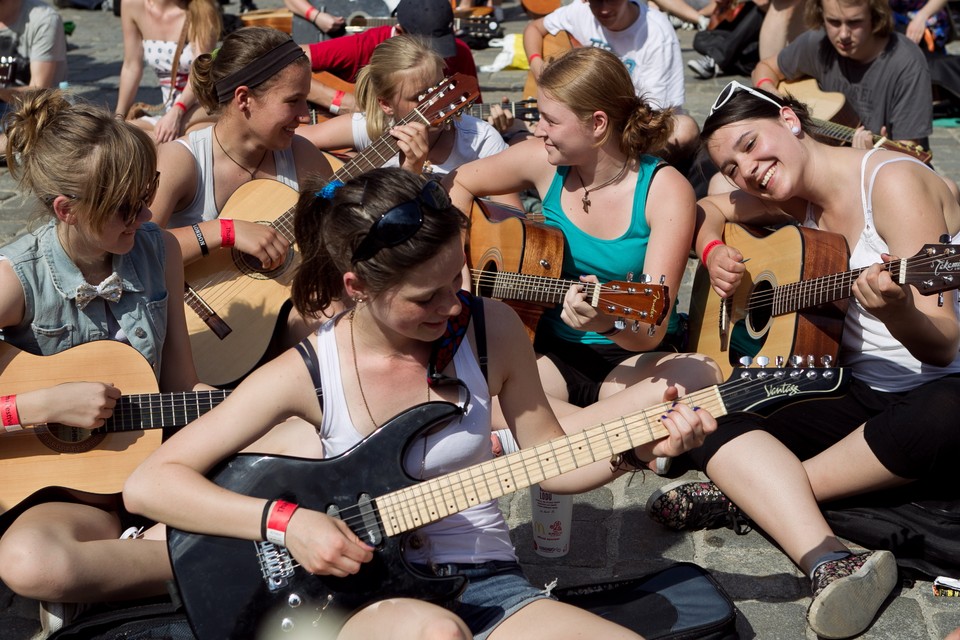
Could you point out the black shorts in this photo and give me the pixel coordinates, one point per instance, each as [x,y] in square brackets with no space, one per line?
[584,367]
[914,434]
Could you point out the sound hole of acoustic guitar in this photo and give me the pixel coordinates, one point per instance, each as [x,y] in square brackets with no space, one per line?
[251,266]
[750,334]
[63,439]
[484,285]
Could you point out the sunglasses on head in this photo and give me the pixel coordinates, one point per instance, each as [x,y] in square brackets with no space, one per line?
[728,92]
[402,222]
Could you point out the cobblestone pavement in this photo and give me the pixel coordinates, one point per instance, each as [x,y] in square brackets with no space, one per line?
[612,536]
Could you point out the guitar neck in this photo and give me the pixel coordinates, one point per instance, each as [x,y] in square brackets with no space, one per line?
[844,134]
[144,411]
[530,288]
[482,111]
[377,154]
[790,298]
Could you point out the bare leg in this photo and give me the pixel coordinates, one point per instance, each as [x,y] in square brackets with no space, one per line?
[552,619]
[404,619]
[70,553]
[848,468]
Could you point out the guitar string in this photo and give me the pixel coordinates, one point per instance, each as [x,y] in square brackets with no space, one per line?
[638,429]
[822,284]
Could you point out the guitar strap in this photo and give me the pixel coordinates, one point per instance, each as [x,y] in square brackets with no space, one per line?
[309,354]
[445,347]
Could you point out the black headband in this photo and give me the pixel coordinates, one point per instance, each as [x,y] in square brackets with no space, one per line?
[259,70]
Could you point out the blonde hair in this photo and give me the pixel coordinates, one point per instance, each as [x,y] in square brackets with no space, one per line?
[204,24]
[589,79]
[401,54]
[55,147]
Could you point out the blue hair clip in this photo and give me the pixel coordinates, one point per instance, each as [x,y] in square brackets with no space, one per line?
[329,190]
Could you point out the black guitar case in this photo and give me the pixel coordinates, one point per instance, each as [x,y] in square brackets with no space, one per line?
[681,602]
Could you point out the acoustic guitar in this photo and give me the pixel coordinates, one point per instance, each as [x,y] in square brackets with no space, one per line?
[793,296]
[234,588]
[503,239]
[553,46]
[232,301]
[537,8]
[97,460]
[835,120]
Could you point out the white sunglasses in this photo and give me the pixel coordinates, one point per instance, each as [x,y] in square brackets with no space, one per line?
[728,92]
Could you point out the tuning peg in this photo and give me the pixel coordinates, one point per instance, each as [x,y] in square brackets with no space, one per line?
[630,276]
[945,238]
[779,361]
[827,360]
[796,361]
[645,278]
[811,361]
[940,299]
[763,361]
[746,361]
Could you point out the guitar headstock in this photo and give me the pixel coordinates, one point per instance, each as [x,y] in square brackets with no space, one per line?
[448,98]
[639,301]
[935,268]
[761,387]
[526,110]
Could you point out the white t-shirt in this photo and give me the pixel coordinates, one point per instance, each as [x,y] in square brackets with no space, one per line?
[475,139]
[649,48]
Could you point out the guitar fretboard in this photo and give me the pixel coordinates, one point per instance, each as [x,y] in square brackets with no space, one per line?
[160,410]
[532,288]
[844,134]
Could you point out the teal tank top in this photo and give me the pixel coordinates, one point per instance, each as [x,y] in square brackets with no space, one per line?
[584,254]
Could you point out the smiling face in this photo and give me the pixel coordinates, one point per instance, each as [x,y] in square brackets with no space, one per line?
[760,156]
[849,29]
[566,137]
[281,106]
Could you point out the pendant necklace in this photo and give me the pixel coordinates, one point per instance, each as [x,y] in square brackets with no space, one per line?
[585,200]
[231,158]
[363,397]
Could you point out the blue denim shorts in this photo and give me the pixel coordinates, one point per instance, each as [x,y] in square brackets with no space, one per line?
[495,591]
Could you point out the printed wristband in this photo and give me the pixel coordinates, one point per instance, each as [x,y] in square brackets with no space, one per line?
[181,106]
[707,249]
[762,80]
[228,236]
[277,523]
[204,249]
[534,56]
[335,103]
[9,417]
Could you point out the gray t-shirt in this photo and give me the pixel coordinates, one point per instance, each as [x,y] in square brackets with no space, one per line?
[37,35]
[894,90]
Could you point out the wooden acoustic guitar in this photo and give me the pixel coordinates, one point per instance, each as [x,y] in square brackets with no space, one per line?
[232,301]
[793,296]
[503,239]
[553,46]
[97,460]
[835,121]
[234,588]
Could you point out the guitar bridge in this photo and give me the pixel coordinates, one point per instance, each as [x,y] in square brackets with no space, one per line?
[276,564]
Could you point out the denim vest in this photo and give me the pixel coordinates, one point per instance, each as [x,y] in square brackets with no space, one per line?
[52,322]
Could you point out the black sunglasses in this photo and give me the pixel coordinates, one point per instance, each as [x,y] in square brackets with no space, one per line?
[402,222]
[128,213]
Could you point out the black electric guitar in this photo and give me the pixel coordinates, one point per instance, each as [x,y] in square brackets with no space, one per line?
[235,588]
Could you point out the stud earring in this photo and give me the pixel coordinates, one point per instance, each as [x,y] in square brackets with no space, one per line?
[795,131]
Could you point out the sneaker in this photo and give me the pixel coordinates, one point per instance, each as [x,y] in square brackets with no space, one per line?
[691,506]
[56,615]
[702,23]
[704,68]
[847,593]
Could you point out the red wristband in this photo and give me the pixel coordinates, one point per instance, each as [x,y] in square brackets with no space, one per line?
[228,236]
[335,103]
[534,56]
[762,80]
[310,11]
[280,515]
[707,249]
[180,105]
[9,417]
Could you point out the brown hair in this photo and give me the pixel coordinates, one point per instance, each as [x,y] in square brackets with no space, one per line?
[55,147]
[881,16]
[238,50]
[590,79]
[381,78]
[330,223]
